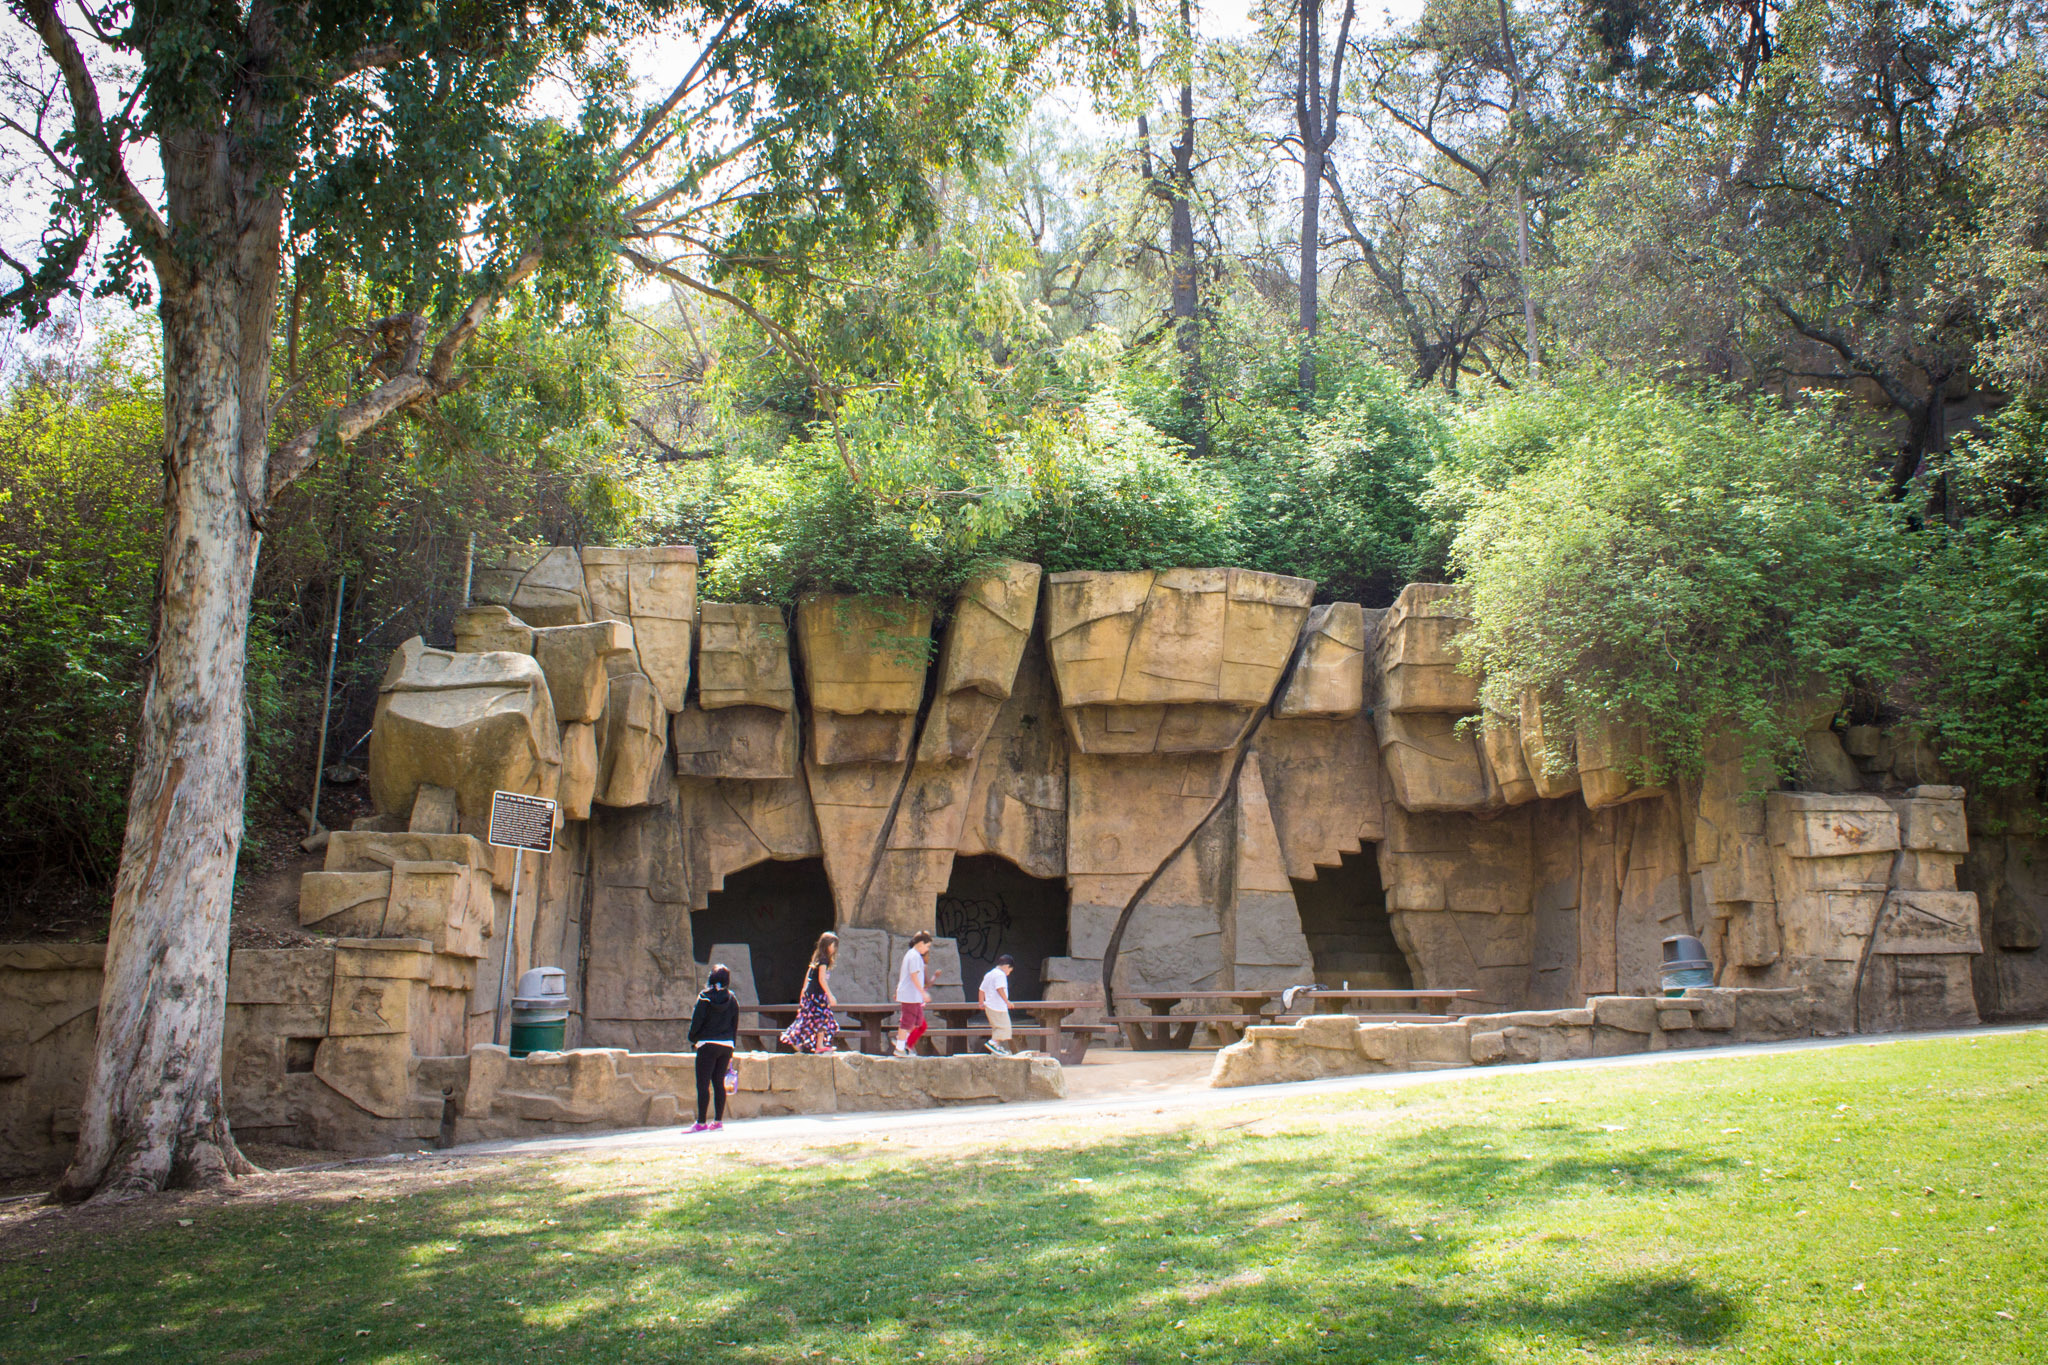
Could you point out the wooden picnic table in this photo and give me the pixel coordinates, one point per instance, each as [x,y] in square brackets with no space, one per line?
[957,1032]
[869,1026]
[1161,1030]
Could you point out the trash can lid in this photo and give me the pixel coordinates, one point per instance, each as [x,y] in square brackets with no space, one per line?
[539,982]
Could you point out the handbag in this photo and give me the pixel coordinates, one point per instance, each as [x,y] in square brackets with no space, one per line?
[732,1080]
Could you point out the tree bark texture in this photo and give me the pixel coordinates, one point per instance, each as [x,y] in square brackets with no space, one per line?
[154,1115]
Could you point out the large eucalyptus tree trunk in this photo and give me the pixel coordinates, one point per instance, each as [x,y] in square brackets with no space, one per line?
[153,1115]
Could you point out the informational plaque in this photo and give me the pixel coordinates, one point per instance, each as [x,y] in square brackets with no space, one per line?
[526,822]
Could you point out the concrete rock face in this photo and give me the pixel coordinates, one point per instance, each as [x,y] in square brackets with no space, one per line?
[1289,791]
[474,723]
[1174,661]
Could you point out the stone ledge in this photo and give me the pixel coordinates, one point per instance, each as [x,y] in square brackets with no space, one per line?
[1609,1026]
[592,1090]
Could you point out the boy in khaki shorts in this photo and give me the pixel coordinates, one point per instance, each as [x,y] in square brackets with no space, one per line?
[995,1003]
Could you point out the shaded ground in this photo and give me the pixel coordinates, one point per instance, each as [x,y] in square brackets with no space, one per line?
[1865,1203]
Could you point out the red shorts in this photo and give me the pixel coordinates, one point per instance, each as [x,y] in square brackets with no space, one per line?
[913,1015]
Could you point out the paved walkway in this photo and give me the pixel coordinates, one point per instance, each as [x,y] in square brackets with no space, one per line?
[1129,1083]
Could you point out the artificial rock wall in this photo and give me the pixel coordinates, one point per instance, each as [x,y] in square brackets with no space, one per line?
[1213,731]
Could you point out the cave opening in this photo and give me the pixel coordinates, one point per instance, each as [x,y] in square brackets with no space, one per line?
[777,909]
[1344,918]
[992,907]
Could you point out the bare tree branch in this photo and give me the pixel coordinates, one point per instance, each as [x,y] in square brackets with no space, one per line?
[784,340]
[99,154]
[405,385]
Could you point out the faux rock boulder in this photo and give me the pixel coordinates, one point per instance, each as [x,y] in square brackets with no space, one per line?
[653,588]
[475,723]
[992,620]
[1173,661]
[1418,660]
[1329,678]
[542,587]
[573,659]
[864,665]
[744,722]
[633,765]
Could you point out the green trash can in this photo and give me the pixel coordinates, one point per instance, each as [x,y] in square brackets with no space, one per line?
[540,1011]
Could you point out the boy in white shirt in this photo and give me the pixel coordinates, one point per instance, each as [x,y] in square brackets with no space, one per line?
[912,994]
[995,1003]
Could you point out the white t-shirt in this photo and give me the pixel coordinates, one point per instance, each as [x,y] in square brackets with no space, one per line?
[910,981]
[996,980]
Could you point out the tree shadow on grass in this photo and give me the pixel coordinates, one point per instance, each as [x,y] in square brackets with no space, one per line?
[1153,1247]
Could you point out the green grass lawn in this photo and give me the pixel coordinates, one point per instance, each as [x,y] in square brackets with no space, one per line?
[1860,1204]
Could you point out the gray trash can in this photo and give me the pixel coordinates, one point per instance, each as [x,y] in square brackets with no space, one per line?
[1686,965]
[540,1011]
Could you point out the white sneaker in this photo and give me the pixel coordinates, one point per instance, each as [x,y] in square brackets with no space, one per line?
[997,1048]
[901,1051]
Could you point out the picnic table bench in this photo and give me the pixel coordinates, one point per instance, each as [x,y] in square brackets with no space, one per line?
[873,1023]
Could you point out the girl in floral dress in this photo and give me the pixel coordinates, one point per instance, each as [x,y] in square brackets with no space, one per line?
[815,1025]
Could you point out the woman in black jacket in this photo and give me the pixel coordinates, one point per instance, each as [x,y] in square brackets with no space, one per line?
[714,1032]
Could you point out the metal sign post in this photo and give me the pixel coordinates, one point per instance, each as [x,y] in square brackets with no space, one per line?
[519,823]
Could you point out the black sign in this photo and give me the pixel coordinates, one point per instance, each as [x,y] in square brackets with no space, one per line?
[522,822]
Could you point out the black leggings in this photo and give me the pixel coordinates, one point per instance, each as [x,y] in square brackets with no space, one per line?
[712,1060]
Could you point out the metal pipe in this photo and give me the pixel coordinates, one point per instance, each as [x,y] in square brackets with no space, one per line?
[511,947]
[468,567]
[326,708]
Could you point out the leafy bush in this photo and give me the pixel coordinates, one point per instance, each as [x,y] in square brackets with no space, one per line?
[1346,503]
[79,540]
[1107,491]
[1095,489]
[1683,560]
[915,525]
[1984,606]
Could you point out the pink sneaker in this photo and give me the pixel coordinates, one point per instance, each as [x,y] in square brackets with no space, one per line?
[718,1125]
[700,1128]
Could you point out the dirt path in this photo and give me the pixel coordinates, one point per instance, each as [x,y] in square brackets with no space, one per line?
[1129,1085]
[1123,1093]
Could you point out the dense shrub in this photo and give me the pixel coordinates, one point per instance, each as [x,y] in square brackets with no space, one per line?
[912,526]
[1094,489]
[1679,559]
[1345,504]
[1106,491]
[1984,608]
[78,551]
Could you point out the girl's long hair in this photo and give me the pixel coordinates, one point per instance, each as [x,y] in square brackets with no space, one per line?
[826,951]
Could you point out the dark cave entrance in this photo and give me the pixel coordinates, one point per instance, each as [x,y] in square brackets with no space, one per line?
[992,907]
[777,909]
[1344,917]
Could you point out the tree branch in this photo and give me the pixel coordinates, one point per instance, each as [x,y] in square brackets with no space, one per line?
[671,454]
[98,153]
[784,340]
[405,386]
